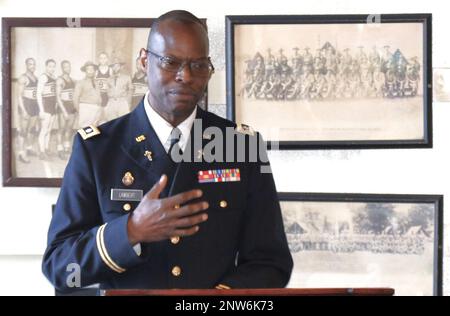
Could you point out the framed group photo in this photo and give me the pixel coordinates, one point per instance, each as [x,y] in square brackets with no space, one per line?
[365,240]
[332,81]
[57,65]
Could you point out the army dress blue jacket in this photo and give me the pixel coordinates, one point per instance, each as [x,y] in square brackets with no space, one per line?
[241,245]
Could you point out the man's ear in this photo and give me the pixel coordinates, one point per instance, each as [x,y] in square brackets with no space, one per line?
[143,58]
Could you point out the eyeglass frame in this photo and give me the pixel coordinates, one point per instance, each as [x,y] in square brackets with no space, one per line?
[182,62]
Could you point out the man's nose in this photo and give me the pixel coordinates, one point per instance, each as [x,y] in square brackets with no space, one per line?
[184,74]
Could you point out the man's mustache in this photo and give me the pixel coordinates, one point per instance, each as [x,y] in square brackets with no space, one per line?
[182,91]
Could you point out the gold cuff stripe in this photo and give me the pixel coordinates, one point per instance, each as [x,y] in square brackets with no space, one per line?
[102,243]
[103,253]
[223,287]
[100,250]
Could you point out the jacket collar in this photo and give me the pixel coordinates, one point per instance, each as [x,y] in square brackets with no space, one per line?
[143,146]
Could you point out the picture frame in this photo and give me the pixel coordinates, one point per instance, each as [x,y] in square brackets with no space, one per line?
[365,240]
[36,148]
[332,81]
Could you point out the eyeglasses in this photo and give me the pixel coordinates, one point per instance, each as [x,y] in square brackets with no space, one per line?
[199,67]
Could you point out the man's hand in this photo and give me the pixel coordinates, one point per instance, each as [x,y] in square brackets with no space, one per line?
[157,219]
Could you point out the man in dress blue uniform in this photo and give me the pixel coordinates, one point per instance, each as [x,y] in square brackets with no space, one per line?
[131,215]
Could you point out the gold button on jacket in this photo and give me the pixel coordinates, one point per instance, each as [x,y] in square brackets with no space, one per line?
[175,240]
[223,204]
[176,271]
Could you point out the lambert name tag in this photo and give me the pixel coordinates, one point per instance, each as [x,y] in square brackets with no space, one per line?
[126,195]
[219,175]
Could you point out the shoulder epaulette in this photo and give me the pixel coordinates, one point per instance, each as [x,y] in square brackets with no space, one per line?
[245,129]
[88,132]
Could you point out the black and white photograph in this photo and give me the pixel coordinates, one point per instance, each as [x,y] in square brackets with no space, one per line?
[357,240]
[331,81]
[65,74]
[82,76]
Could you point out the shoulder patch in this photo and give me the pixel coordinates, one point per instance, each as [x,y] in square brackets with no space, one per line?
[245,129]
[88,132]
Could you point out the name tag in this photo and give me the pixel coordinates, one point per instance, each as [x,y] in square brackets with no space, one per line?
[126,195]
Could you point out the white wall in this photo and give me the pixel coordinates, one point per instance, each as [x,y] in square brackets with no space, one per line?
[25,212]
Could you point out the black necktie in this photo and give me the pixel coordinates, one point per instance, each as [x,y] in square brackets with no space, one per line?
[174,146]
[175,136]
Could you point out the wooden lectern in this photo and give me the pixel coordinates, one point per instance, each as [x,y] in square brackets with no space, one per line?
[256,292]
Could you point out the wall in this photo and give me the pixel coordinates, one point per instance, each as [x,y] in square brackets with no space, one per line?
[25,212]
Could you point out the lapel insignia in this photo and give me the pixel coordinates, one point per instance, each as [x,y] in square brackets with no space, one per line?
[206,136]
[219,175]
[140,138]
[88,132]
[148,154]
[128,179]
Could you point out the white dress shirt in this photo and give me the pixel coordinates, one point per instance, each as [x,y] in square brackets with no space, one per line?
[163,129]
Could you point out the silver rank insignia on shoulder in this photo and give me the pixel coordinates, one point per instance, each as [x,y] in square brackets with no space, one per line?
[206,136]
[88,132]
[140,138]
[245,129]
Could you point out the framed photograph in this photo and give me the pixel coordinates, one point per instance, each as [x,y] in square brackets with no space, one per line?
[365,240]
[79,71]
[332,81]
